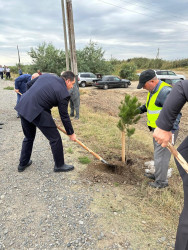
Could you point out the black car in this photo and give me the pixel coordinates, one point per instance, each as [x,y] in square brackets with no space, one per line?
[111,82]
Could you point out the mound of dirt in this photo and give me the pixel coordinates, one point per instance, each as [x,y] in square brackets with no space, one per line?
[116,172]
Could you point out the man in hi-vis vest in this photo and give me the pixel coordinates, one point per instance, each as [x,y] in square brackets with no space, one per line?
[158,91]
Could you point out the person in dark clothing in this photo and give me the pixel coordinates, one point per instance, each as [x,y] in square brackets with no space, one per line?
[44,93]
[20,72]
[74,101]
[21,86]
[162,134]
[157,94]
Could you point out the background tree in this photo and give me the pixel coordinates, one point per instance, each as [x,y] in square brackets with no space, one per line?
[91,59]
[129,115]
[128,71]
[48,59]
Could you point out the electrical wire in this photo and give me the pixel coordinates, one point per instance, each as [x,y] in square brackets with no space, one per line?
[120,7]
[149,8]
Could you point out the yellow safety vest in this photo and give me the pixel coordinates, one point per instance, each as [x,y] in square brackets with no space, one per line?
[152,110]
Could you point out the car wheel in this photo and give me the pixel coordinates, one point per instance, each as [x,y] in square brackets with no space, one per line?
[105,86]
[126,85]
[83,84]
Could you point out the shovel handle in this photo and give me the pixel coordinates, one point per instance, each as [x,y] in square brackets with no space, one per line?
[178,156]
[81,144]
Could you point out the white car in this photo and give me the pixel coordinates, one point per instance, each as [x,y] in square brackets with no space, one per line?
[168,74]
[86,79]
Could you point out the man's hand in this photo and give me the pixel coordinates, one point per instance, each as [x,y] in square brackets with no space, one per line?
[162,137]
[16,90]
[72,137]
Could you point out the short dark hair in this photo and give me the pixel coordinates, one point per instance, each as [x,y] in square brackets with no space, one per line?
[68,75]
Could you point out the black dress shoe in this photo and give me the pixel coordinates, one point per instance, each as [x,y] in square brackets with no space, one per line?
[64,168]
[1,123]
[22,168]
[158,184]
[150,176]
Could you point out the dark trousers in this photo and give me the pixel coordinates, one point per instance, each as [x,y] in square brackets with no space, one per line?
[182,231]
[7,75]
[47,126]
[1,75]
[75,105]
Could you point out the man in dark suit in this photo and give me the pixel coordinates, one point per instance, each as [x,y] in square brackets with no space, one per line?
[34,109]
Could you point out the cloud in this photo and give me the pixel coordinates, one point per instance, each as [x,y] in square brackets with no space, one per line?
[123,28]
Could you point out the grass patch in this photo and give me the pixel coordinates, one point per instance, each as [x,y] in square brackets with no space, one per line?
[70,151]
[84,160]
[9,88]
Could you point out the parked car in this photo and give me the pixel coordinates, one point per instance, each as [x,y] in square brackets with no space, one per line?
[111,82]
[86,79]
[168,74]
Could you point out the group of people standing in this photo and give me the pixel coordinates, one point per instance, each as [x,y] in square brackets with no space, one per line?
[4,71]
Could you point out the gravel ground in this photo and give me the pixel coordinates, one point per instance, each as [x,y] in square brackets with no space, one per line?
[40,209]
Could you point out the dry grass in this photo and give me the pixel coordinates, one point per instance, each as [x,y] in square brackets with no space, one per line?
[99,132]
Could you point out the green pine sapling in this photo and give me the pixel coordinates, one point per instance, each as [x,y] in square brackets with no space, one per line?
[129,115]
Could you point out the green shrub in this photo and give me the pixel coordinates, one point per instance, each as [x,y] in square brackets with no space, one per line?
[128,71]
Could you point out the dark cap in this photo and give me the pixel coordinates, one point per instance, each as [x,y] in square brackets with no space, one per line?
[145,76]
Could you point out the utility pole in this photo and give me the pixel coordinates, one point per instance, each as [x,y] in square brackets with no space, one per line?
[18,56]
[157,56]
[65,35]
[72,45]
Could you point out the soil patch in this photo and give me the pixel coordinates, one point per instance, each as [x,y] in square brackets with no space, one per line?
[116,172]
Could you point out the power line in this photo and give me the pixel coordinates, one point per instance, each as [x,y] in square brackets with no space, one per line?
[120,7]
[149,8]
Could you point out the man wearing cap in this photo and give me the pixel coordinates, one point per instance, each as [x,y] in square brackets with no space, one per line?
[158,92]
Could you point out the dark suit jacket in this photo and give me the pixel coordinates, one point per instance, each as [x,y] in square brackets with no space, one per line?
[47,91]
[21,82]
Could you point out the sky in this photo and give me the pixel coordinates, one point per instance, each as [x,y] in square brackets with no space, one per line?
[123,28]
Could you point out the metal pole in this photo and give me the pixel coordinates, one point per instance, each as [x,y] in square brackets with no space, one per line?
[65,35]
[72,45]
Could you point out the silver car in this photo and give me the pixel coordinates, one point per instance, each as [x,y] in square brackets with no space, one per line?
[86,79]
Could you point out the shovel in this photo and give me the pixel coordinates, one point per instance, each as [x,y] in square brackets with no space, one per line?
[81,144]
[178,156]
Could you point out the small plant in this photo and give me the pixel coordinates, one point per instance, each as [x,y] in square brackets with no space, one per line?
[84,160]
[129,115]
[70,151]
[9,88]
